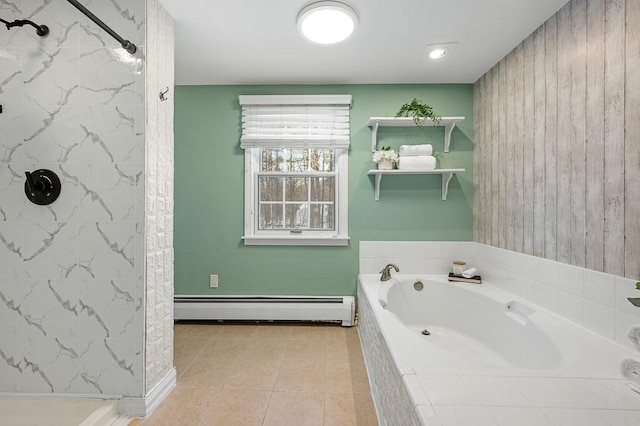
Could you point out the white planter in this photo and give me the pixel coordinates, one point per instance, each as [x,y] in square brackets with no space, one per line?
[385,164]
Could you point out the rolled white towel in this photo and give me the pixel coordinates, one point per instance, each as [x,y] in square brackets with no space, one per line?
[415,150]
[630,369]
[422,162]
[470,273]
[633,333]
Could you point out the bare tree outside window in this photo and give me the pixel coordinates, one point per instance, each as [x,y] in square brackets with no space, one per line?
[297,189]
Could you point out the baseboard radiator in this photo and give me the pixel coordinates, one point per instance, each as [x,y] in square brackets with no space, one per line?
[266,308]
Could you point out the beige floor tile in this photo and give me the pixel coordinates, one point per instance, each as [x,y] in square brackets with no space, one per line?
[294,377]
[182,363]
[227,376]
[189,346]
[196,330]
[224,348]
[205,375]
[272,330]
[339,410]
[309,332]
[183,407]
[238,330]
[341,378]
[295,408]
[261,378]
[237,407]
[311,351]
[267,351]
[365,410]
[337,351]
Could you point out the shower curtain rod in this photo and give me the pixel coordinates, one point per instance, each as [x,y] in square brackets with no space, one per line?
[126,44]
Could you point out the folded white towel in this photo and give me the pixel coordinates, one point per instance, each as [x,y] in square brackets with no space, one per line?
[630,369]
[422,162]
[633,333]
[415,150]
[470,273]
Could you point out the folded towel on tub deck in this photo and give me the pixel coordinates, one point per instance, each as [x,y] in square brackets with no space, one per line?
[422,162]
[415,150]
[633,333]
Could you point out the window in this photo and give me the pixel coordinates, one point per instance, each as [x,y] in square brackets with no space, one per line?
[296,159]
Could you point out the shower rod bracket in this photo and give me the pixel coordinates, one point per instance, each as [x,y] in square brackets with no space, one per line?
[41,30]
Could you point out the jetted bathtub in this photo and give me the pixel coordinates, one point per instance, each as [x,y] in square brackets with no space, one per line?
[438,351]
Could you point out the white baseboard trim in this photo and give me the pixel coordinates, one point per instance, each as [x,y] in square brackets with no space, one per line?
[143,407]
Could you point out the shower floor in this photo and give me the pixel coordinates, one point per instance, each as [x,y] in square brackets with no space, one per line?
[41,411]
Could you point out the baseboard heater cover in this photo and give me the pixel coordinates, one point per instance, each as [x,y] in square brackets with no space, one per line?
[266,308]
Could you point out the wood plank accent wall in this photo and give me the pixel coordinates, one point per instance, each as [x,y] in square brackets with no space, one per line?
[557,132]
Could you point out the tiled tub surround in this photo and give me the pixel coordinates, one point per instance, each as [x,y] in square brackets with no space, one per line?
[445,399]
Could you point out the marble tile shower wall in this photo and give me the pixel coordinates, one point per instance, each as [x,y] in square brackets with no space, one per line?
[159,183]
[593,300]
[71,273]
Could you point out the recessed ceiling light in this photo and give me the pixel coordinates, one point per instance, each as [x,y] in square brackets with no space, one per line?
[327,22]
[437,53]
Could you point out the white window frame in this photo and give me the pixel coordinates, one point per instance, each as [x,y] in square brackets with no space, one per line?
[339,236]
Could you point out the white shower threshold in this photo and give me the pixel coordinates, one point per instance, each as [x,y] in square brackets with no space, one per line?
[59,411]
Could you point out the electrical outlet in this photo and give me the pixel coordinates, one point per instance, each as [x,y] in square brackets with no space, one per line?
[213,281]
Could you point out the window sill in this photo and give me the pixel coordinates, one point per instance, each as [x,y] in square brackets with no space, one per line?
[295,241]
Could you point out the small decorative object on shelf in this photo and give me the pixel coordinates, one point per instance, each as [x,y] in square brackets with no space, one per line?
[386,158]
[635,301]
[418,110]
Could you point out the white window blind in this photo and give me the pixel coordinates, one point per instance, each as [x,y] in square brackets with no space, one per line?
[295,121]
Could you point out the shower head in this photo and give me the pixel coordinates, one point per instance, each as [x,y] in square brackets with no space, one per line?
[41,30]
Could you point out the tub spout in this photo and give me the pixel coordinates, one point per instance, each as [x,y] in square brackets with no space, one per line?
[386,272]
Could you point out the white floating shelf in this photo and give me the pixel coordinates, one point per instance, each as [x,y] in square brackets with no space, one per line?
[449,123]
[447,174]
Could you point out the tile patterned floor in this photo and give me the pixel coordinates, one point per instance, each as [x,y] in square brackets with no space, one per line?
[266,374]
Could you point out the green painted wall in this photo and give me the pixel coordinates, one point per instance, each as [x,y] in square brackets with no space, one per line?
[209,185]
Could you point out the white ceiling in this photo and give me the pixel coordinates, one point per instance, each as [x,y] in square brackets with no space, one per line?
[257,41]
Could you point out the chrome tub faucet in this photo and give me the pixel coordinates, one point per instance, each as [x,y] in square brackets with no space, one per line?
[386,272]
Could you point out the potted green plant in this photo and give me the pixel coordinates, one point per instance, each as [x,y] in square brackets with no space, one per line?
[418,110]
[635,301]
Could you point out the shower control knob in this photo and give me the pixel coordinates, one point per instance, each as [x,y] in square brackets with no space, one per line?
[42,186]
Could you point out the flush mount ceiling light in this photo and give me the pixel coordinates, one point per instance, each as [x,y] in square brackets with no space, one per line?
[327,22]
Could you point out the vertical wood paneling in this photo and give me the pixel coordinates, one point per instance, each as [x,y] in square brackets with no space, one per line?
[485,104]
[563,212]
[614,137]
[503,160]
[594,208]
[528,143]
[518,149]
[539,143]
[495,157]
[632,140]
[577,145]
[510,152]
[478,180]
[551,136]
[559,166]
